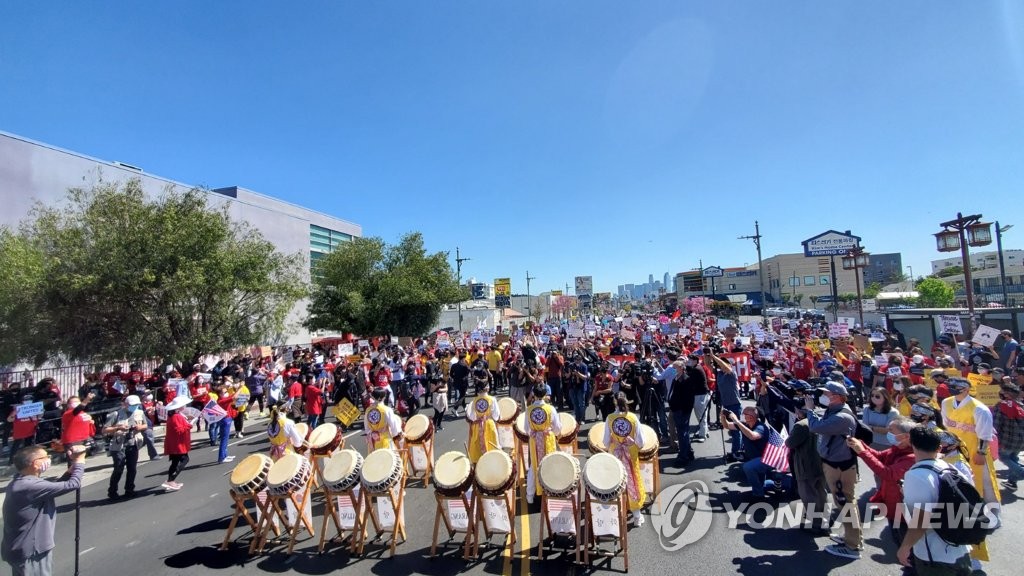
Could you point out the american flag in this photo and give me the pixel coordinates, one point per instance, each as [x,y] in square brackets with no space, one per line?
[776,453]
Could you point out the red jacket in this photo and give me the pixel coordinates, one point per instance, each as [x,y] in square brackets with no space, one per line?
[890,465]
[178,439]
[227,402]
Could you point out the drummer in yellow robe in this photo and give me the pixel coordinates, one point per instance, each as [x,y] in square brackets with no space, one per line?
[545,427]
[383,426]
[624,437]
[284,438]
[482,415]
[970,421]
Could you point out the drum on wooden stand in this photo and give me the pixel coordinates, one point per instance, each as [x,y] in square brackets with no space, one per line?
[453,474]
[250,475]
[324,439]
[649,451]
[605,477]
[522,429]
[303,430]
[381,471]
[559,475]
[508,411]
[342,470]
[418,429]
[595,439]
[288,475]
[569,430]
[495,473]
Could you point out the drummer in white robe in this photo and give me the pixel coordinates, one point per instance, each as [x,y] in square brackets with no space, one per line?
[383,426]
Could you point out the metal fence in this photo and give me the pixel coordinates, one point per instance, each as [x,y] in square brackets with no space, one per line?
[70,378]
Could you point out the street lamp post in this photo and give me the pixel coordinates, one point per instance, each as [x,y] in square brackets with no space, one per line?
[458,271]
[855,260]
[957,234]
[1002,267]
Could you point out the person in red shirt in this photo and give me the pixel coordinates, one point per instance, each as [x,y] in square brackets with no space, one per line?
[177,442]
[802,365]
[115,384]
[77,425]
[314,397]
[294,399]
[23,429]
[890,465]
[226,400]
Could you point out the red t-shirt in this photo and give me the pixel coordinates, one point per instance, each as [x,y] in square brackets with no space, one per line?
[314,400]
[178,438]
[227,402]
[24,427]
[111,380]
[295,390]
[200,392]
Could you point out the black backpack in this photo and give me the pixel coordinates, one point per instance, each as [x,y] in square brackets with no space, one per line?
[961,517]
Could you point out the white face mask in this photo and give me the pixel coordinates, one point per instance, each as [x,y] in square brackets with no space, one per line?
[824,401]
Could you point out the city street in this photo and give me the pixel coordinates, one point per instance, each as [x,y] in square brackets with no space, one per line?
[162,533]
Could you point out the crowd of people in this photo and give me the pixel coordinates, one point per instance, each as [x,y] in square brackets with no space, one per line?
[836,403]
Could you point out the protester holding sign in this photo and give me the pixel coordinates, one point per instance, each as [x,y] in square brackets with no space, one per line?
[23,419]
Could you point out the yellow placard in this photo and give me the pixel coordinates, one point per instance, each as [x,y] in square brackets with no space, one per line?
[978,380]
[987,394]
[502,287]
[345,412]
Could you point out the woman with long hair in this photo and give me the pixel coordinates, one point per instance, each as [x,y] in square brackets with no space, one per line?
[877,415]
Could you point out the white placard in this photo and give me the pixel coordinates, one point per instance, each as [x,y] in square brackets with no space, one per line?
[794,324]
[345,350]
[241,400]
[851,323]
[418,457]
[894,371]
[386,512]
[506,437]
[604,518]
[951,324]
[29,410]
[496,515]
[627,334]
[985,335]
[784,332]
[560,516]
[876,337]
[766,353]
[347,509]
[364,343]
[723,323]
[458,517]
[647,473]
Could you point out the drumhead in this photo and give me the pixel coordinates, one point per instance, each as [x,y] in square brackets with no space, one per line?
[569,427]
[559,472]
[342,464]
[521,427]
[249,468]
[323,435]
[595,439]
[416,427]
[603,473]
[493,469]
[379,465]
[507,409]
[284,470]
[302,428]
[452,469]
[650,440]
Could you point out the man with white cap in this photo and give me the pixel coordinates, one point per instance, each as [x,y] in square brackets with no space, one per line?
[124,429]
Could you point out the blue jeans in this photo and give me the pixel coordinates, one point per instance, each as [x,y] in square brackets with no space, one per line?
[313,420]
[756,472]
[734,435]
[224,431]
[1012,462]
[579,402]
[682,421]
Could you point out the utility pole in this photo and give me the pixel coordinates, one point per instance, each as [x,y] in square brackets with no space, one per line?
[528,302]
[760,268]
[458,272]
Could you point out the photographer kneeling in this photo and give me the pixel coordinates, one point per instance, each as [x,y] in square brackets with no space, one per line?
[755,437]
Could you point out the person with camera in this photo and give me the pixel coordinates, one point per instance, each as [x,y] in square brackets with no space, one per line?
[578,383]
[805,465]
[124,427]
[685,387]
[555,365]
[728,390]
[838,461]
[30,510]
[755,438]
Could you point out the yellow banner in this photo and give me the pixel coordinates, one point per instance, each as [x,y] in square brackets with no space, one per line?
[502,287]
[345,412]
[987,394]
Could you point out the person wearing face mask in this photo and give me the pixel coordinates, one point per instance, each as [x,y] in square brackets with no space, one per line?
[124,428]
[729,398]
[970,421]
[1008,418]
[30,510]
[868,372]
[889,466]
[755,438]
[802,366]
[838,461]
[77,425]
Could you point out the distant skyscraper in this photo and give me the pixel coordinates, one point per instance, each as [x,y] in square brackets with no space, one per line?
[666,282]
[650,278]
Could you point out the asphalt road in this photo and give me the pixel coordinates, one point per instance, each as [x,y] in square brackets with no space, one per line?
[164,533]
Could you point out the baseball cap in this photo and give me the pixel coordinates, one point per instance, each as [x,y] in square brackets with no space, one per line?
[133,400]
[835,388]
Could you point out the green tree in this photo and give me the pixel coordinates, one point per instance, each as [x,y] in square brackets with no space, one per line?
[112,274]
[951,271]
[370,288]
[798,298]
[872,290]
[934,293]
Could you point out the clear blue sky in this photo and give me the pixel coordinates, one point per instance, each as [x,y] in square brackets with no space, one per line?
[604,138]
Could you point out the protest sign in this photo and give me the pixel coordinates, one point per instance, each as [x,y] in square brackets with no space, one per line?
[951,324]
[29,410]
[985,335]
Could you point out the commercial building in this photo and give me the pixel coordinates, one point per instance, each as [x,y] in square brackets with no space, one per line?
[883,269]
[981,260]
[789,277]
[33,172]
[988,287]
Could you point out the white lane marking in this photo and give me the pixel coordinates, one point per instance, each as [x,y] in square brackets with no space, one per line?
[132,543]
[213,495]
[83,552]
